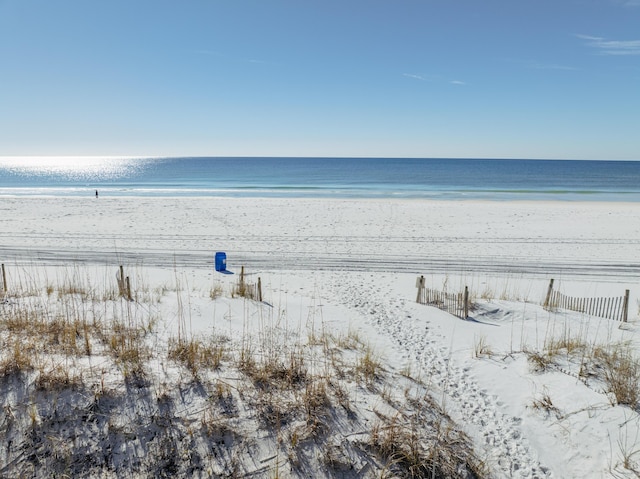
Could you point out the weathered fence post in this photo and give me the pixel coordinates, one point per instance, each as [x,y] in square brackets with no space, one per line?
[120,278]
[466,302]
[4,279]
[124,286]
[625,306]
[259,289]
[549,291]
[420,286]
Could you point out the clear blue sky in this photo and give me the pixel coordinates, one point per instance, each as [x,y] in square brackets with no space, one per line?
[414,78]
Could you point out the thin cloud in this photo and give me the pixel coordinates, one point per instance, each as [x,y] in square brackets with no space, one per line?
[612,47]
[415,77]
[433,78]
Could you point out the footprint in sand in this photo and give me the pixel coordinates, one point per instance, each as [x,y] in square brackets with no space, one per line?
[471,405]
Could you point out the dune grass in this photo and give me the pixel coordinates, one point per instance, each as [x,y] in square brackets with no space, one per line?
[91,387]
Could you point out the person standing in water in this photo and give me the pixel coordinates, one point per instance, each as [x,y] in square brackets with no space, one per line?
[96,193]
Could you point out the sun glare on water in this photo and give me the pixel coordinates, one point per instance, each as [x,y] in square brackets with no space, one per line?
[72,167]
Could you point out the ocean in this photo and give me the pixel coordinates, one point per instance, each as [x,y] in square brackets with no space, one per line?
[488,179]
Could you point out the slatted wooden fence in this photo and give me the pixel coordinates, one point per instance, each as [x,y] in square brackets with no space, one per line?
[248,290]
[615,308]
[456,304]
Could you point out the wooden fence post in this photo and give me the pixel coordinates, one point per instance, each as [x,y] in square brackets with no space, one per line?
[242,288]
[420,286]
[259,289]
[4,279]
[120,278]
[466,302]
[549,291]
[625,306]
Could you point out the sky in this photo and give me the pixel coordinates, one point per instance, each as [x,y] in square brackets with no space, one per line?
[364,78]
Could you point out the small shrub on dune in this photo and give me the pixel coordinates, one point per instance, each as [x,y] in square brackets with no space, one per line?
[127,347]
[616,365]
[539,362]
[481,347]
[315,397]
[196,355]
[279,373]
[566,343]
[57,378]
[544,403]
[351,340]
[216,291]
[368,366]
[621,373]
[17,357]
[411,453]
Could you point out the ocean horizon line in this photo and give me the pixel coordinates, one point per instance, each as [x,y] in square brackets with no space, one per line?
[311,157]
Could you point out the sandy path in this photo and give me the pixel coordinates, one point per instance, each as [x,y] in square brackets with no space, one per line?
[498,436]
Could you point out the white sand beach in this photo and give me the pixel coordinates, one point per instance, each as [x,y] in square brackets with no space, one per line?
[525,384]
[393,235]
